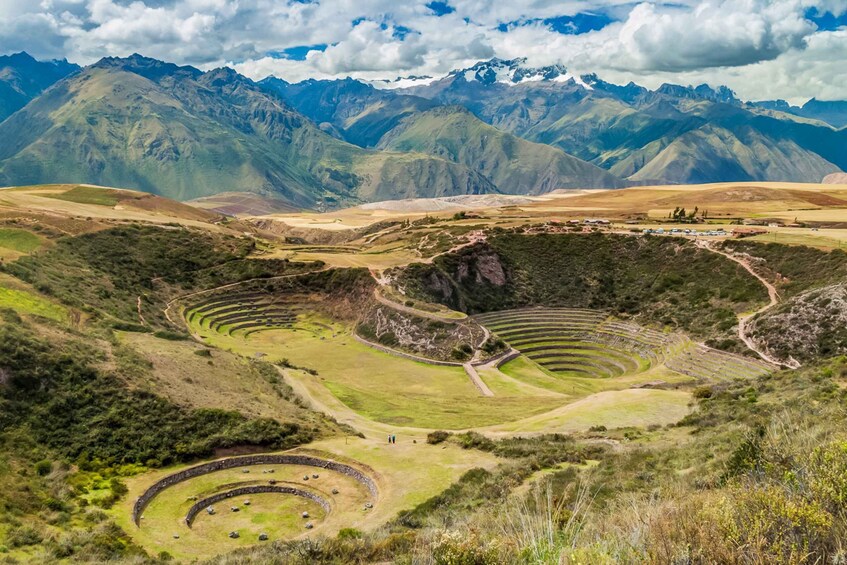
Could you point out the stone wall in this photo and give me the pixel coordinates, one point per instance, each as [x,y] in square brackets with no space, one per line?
[234,462]
[505,357]
[254,489]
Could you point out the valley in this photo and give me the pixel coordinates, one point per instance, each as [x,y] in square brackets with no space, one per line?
[435,282]
[496,341]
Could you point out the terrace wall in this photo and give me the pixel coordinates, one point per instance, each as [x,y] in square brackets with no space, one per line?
[234,462]
[254,489]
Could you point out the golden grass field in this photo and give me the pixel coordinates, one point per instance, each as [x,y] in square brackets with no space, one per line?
[640,206]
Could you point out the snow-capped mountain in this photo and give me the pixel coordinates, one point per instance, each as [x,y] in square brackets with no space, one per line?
[515,71]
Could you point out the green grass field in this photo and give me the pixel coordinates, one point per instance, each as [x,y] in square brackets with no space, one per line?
[399,392]
[524,370]
[18,240]
[407,474]
[88,195]
[834,239]
[25,302]
[384,387]
[612,409]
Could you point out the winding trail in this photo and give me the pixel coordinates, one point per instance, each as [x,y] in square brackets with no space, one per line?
[140,315]
[773,296]
[385,301]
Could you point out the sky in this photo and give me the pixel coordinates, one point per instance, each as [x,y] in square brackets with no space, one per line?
[762,49]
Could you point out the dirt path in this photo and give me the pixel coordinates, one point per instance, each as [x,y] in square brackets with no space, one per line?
[384,300]
[140,315]
[773,296]
[476,380]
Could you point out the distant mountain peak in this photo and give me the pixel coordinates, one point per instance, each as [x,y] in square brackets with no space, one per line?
[145,66]
[722,93]
[404,82]
[515,71]
[17,58]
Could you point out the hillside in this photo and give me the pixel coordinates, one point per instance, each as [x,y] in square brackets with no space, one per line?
[515,165]
[369,117]
[355,111]
[660,280]
[144,124]
[140,123]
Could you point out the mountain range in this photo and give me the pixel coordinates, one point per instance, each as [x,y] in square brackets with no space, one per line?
[496,127]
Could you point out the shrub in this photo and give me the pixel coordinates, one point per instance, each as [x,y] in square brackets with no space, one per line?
[349,533]
[464,548]
[436,437]
[702,392]
[23,536]
[474,440]
[388,339]
[43,468]
[169,335]
[768,525]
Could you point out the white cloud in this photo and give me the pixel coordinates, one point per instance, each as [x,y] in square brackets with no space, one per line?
[758,47]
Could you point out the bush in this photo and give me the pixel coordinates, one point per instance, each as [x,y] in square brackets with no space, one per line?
[349,533]
[464,548]
[23,536]
[436,437]
[388,339]
[702,392]
[56,396]
[474,440]
[169,335]
[43,468]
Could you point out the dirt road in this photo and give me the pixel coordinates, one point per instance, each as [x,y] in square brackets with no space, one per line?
[773,296]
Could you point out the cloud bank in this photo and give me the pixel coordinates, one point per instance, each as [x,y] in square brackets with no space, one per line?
[763,49]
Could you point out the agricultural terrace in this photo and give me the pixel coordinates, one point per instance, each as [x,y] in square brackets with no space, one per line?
[376,391]
[572,345]
[361,489]
[241,313]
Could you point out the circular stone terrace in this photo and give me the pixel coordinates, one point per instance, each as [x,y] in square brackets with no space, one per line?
[245,500]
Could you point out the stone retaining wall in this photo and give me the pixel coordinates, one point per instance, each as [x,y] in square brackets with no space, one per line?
[234,462]
[255,489]
[508,356]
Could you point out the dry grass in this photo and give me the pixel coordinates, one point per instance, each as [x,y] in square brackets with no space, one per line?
[221,380]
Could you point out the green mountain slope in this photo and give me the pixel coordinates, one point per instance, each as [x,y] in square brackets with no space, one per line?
[515,165]
[714,152]
[139,123]
[358,111]
[370,117]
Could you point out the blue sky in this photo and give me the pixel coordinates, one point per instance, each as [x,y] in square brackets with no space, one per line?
[792,49]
